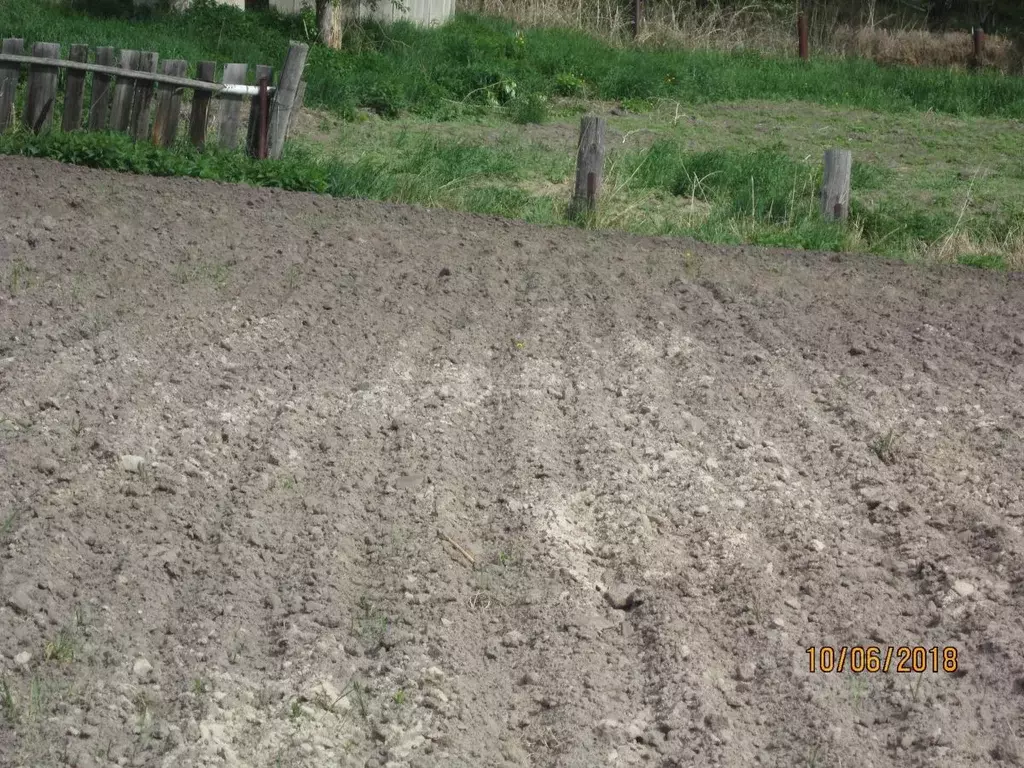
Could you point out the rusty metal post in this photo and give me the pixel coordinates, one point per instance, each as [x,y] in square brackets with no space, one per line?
[801,30]
[979,41]
[264,118]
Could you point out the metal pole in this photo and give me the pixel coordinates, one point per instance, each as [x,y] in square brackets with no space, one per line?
[801,29]
[264,117]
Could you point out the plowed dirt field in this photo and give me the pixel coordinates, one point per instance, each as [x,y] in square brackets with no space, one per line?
[297,481]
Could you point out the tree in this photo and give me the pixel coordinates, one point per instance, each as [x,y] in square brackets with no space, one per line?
[328,22]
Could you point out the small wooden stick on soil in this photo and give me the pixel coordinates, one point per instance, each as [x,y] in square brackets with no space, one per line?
[465,554]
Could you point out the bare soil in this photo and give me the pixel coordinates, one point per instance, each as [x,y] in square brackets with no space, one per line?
[289,480]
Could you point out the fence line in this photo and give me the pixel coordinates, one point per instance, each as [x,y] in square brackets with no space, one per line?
[131,94]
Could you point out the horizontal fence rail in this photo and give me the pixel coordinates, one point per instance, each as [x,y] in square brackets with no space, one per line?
[156,77]
[130,93]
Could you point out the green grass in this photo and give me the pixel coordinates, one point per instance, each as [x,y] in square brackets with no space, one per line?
[473,62]
[482,116]
[672,186]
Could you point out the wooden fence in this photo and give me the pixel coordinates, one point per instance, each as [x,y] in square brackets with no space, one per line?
[127,94]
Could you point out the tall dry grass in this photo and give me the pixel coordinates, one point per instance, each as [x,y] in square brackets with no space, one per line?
[888,38]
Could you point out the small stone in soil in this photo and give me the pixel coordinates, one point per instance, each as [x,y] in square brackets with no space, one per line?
[623,597]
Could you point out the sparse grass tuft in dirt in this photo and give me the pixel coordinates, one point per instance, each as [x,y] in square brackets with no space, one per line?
[887,447]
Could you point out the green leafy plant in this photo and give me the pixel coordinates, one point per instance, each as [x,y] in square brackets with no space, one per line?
[569,84]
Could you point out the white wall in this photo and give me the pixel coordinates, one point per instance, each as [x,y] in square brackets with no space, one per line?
[420,11]
[287,6]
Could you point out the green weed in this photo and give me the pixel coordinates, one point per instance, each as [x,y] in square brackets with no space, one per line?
[370,624]
[7,703]
[886,447]
[63,647]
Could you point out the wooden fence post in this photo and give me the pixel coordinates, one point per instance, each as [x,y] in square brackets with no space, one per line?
[168,105]
[801,31]
[74,91]
[99,107]
[10,74]
[42,89]
[143,98]
[638,12]
[205,70]
[284,97]
[124,88]
[229,108]
[300,94]
[835,190]
[589,167]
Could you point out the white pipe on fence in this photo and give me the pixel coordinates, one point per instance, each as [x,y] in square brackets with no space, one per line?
[217,89]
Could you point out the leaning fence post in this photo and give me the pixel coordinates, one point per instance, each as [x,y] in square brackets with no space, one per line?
[284,97]
[300,94]
[589,165]
[835,190]
[801,31]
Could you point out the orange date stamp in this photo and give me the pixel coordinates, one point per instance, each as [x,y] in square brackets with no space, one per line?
[902,659]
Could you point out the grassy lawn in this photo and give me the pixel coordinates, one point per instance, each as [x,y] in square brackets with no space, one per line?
[480,115]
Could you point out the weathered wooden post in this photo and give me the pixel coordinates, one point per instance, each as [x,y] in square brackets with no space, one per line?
[979,41]
[638,12]
[142,100]
[284,97]
[801,31]
[589,166]
[99,106]
[205,70]
[74,91]
[124,88]
[42,88]
[835,189]
[229,107]
[10,74]
[300,94]
[168,105]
